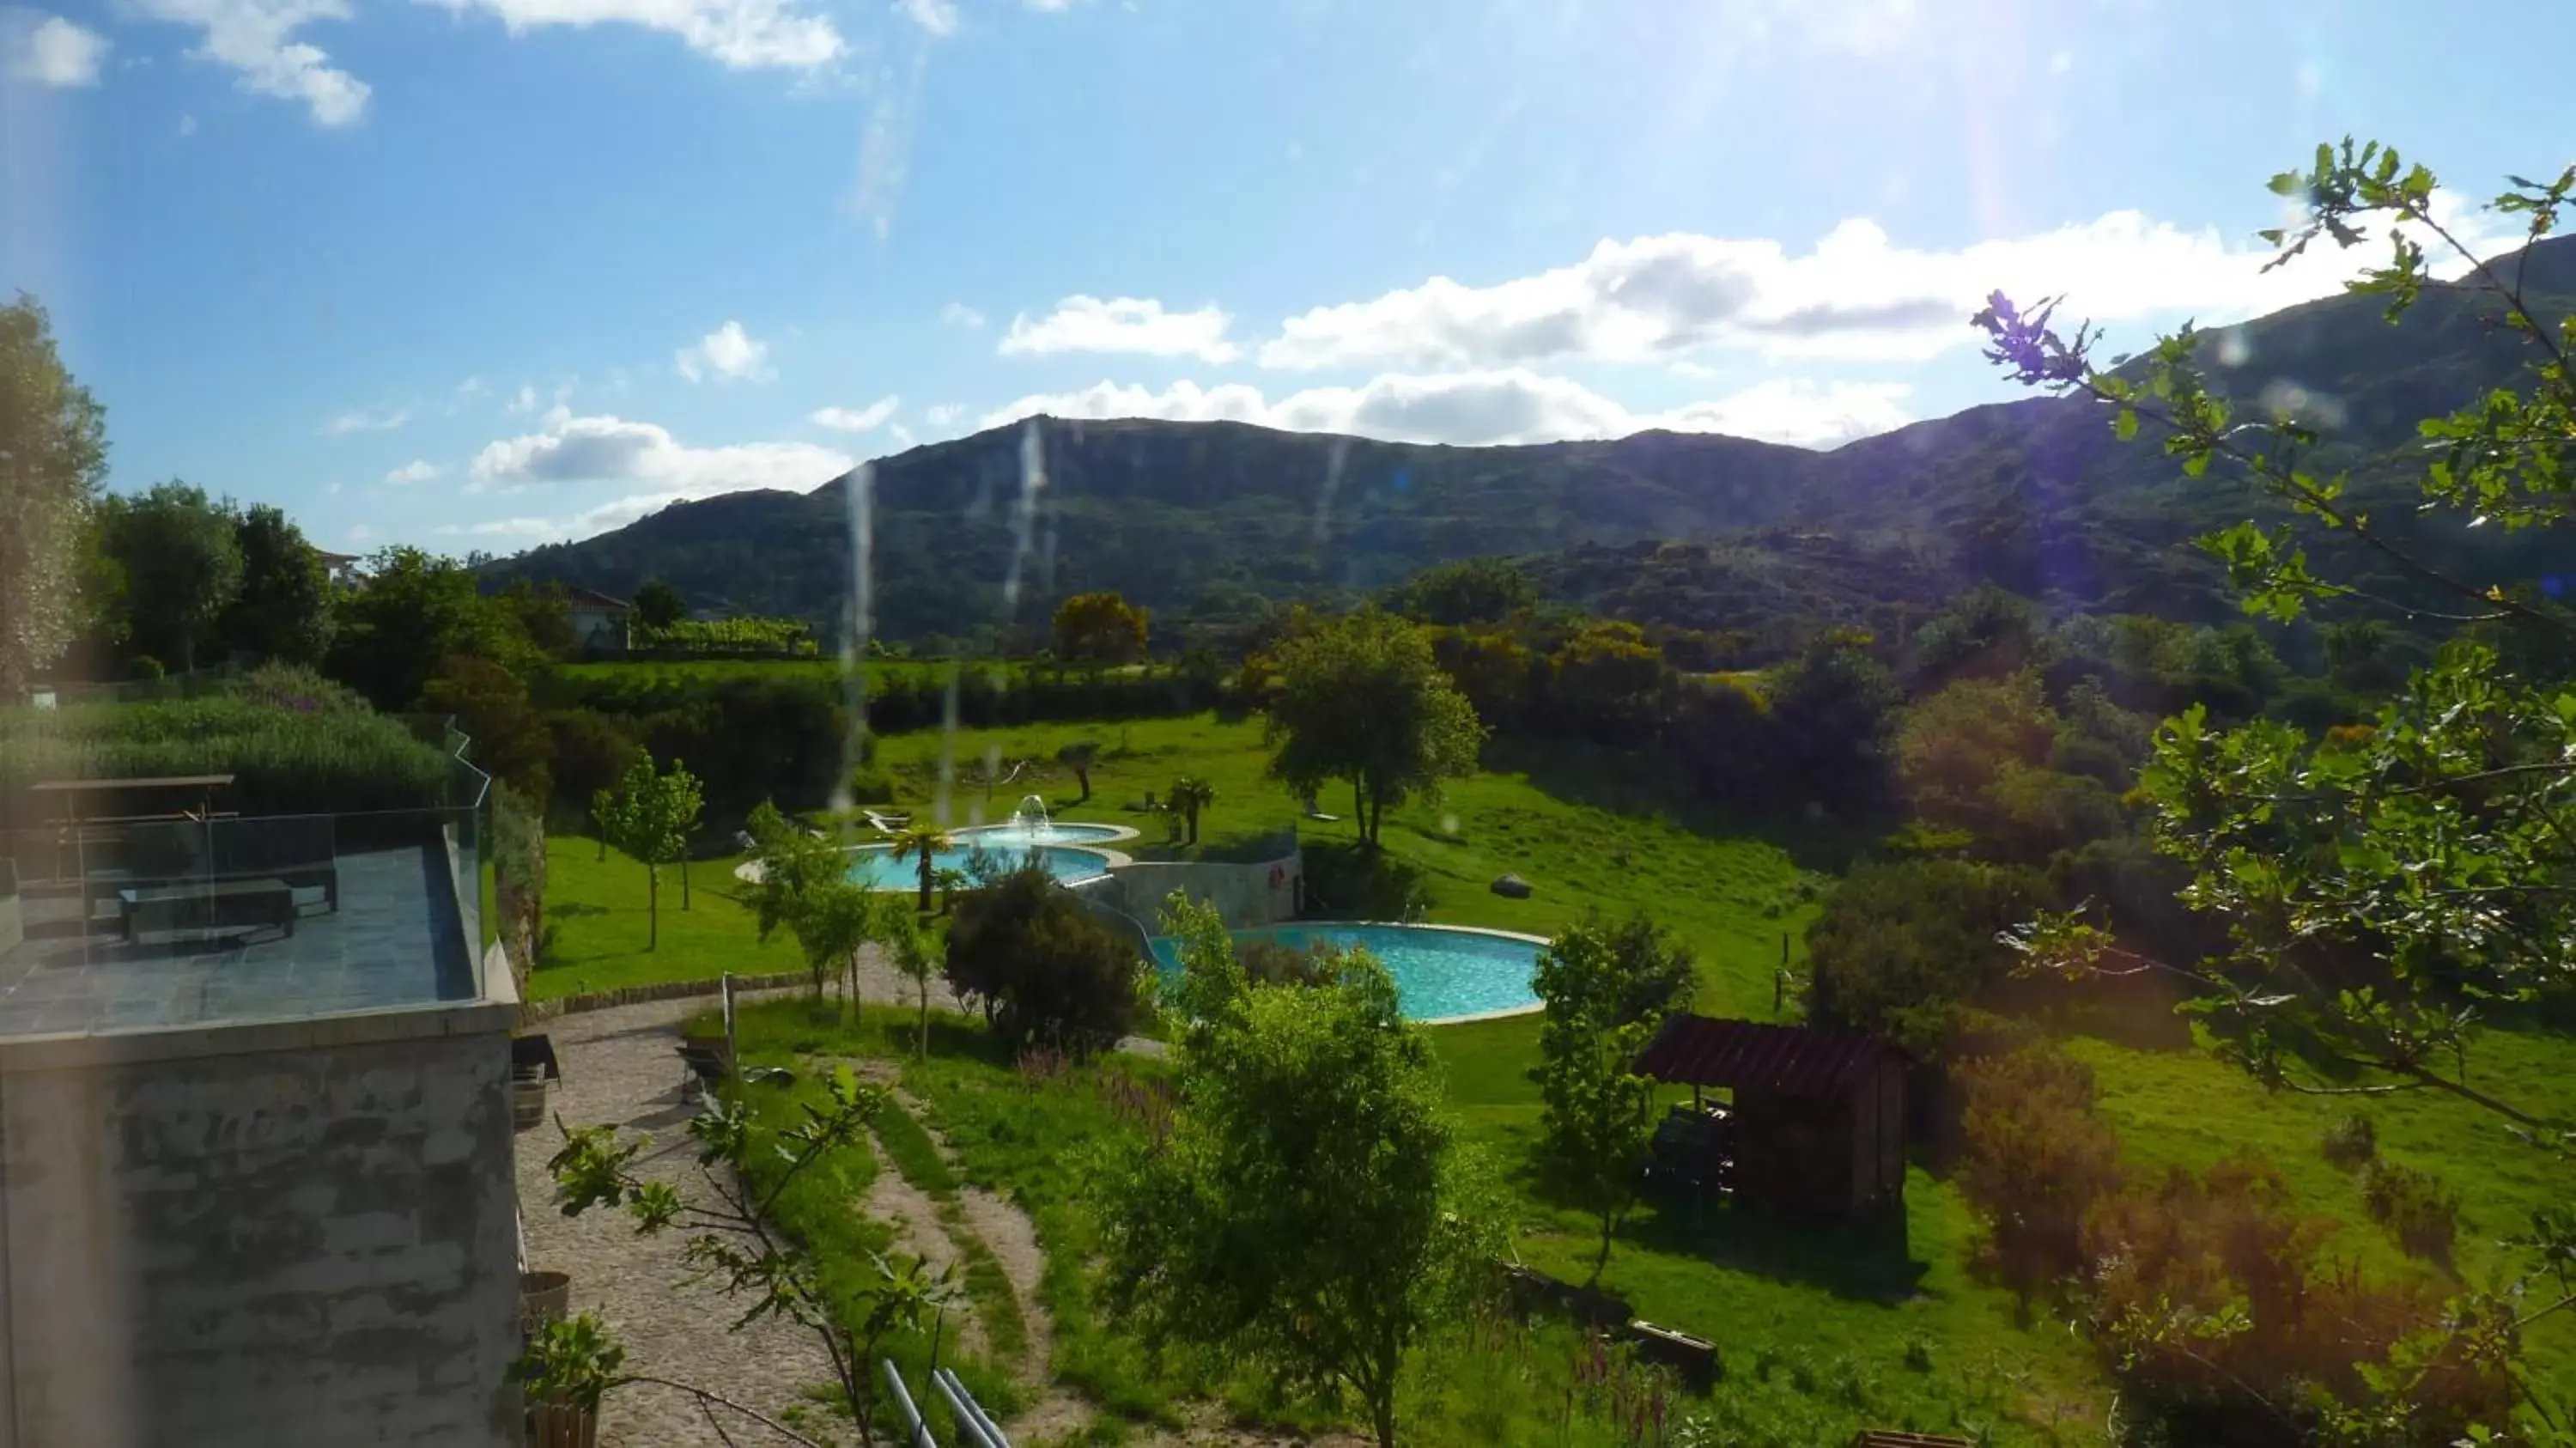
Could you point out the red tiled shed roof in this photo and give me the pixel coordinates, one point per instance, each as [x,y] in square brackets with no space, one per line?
[1797,1060]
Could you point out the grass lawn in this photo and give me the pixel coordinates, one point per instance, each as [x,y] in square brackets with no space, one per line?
[596,914]
[1843,1324]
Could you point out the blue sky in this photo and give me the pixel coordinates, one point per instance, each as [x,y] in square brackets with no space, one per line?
[478,273]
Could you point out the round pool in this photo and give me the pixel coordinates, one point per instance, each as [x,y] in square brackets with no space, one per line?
[876,867]
[1441,972]
[995,837]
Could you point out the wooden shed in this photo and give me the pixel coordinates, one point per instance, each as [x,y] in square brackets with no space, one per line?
[1818,1120]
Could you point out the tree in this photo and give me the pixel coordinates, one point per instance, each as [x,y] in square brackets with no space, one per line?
[834,921]
[1975,756]
[1363,700]
[1079,756]
[792,863]
[1043,966]
[510,739]
[415,610]
[927,842]
[182,562]
[1904,947]
[1101,628]
[1607,681]
[658,605]
[2377,886]
[1606,990]
[1307,1212]
[1832,710]
[651,818]
[1189,794]
[915,953]
[53,458]
[283,608]
[1468,591]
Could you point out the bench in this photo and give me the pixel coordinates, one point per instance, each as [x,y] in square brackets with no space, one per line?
[1694,1358]
[214,907]
[296,851]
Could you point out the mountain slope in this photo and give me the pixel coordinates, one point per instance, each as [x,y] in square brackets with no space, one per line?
[1208,521]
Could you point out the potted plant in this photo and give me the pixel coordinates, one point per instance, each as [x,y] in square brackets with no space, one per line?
[568,1367]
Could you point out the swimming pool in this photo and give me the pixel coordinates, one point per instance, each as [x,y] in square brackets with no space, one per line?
[876,867]
[994,837]
[1439,972]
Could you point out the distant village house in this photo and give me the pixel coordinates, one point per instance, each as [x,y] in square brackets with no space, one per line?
[600,624]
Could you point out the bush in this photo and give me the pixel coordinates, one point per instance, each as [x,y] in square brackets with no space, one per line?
[1043,967]
[1268,962]
[1902,948]
[2416,1208]
[2350,1141]
[285,760]
[2035,1158]
[1345,882]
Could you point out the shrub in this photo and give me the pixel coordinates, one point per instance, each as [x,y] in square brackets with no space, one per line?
[2414,1205]
[2035,1158]
[2350,1141]
[1900,948]
[1044,968]
[284,760]
[1268,962]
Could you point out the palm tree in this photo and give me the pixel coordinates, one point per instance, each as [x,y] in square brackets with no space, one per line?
[949,882]
[927,841]
[1190,794]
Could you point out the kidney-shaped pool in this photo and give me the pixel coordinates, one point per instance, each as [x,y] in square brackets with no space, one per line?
[1441,972]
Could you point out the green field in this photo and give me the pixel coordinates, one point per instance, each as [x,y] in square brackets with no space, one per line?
[1842,1323]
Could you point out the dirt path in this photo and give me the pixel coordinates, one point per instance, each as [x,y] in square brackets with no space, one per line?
[620,1066]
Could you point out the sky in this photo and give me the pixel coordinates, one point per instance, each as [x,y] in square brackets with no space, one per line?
[477,274]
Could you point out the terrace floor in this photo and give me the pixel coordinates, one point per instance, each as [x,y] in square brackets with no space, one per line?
[396,939]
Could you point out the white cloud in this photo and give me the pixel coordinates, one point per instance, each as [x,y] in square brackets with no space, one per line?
[944,413]
[360,533]
[187,125]
[740,34]
[901,434]
[501,528]
[49,50]
[256,38]
[418,470]
[1125,324]
[1509,406]
[613,449]
[381,420]
[727,352]
[958,314]
[1855,295]
[865,419]
[522,402]
[938,17]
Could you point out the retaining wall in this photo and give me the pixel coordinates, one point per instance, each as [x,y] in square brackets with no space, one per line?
[1246,895]
[280,1235]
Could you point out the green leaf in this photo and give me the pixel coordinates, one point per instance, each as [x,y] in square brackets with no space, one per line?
[2126,424]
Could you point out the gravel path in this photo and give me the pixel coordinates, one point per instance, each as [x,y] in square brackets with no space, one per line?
[619,1066]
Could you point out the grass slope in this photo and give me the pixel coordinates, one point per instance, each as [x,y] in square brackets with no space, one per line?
[1841,1323]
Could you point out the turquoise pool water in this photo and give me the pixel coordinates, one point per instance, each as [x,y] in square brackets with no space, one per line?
[878,869]
[995,837]
[1438,972]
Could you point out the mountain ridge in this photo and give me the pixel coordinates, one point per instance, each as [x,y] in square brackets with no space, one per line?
[1209,522]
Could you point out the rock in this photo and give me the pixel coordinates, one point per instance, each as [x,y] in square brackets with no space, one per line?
[1511,886]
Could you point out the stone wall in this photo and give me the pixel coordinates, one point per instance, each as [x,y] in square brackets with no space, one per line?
[269,1236]
[1246,895]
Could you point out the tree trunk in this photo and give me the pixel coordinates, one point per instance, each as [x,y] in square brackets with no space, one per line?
[925,880]
[653,907]
[1609,1224]
[684,882]
[924,984]
[1382,1415]
[1359,810]
[1082,776]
